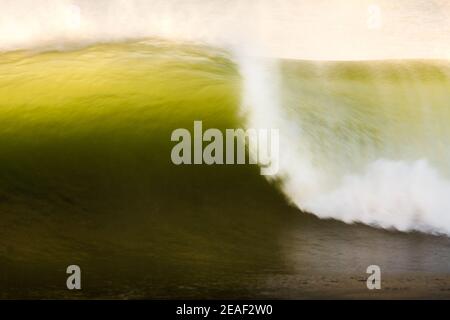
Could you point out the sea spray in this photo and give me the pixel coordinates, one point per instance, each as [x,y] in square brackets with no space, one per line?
[400,194]
[294,29]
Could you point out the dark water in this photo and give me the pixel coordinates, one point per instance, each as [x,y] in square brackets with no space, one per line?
[201,246]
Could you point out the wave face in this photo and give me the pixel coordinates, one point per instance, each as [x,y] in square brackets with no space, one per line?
[359,141]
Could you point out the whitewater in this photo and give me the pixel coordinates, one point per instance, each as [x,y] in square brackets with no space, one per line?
[383,163]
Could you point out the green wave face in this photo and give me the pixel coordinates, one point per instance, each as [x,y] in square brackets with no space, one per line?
[93,118]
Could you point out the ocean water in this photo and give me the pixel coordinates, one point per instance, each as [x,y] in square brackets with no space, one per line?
[86,177]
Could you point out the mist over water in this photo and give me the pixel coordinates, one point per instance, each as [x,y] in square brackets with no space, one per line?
[297,29]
